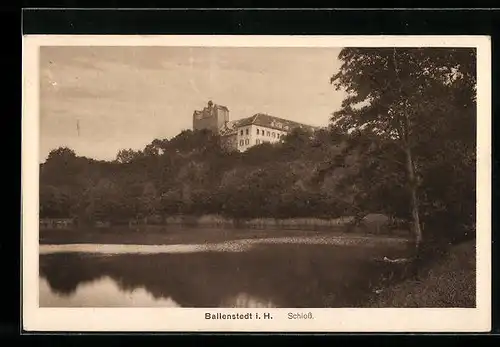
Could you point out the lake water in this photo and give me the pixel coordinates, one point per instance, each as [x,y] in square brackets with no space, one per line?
[246,273]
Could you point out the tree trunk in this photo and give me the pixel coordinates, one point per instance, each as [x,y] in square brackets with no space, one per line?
[412,182]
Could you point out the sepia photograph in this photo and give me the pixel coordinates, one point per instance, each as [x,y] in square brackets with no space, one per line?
[274,184]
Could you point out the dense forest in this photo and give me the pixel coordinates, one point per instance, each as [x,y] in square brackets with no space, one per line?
[403,144]
[190,174]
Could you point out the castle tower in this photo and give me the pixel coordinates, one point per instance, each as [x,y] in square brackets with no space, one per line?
[212,117]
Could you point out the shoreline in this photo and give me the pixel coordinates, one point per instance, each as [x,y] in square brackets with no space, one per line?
[208,236]
[238,245]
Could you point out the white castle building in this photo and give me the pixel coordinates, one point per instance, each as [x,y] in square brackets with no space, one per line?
[244,133]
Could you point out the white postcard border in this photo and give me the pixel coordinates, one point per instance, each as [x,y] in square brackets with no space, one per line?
[193,319]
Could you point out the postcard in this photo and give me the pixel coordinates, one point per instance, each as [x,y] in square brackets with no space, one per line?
[256,183]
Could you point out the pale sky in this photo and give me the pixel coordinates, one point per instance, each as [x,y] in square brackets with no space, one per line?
[125,97]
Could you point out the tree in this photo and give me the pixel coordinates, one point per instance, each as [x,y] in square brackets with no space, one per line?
[61,154]
[201,141]
[296,142]
[149,200]
[127,155]
[399,104]
[156,147]
[54,202]
[104,201]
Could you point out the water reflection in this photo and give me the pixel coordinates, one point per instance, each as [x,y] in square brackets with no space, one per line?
[245,300]
[103,292]
[266,276]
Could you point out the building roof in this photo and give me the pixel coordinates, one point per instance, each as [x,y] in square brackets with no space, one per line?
[264,120]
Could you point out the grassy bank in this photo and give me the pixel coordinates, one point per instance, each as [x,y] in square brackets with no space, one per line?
[371,224]
[450,281]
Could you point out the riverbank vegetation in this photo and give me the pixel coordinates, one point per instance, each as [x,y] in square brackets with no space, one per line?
[449,281]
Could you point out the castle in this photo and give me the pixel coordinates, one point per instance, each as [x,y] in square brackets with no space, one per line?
[243,133]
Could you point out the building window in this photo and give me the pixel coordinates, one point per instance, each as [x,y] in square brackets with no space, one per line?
[257,132]
[268,133]
[241,142]
[274,134]
[241,132]
[247,141]
[247,131]
[257,142]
